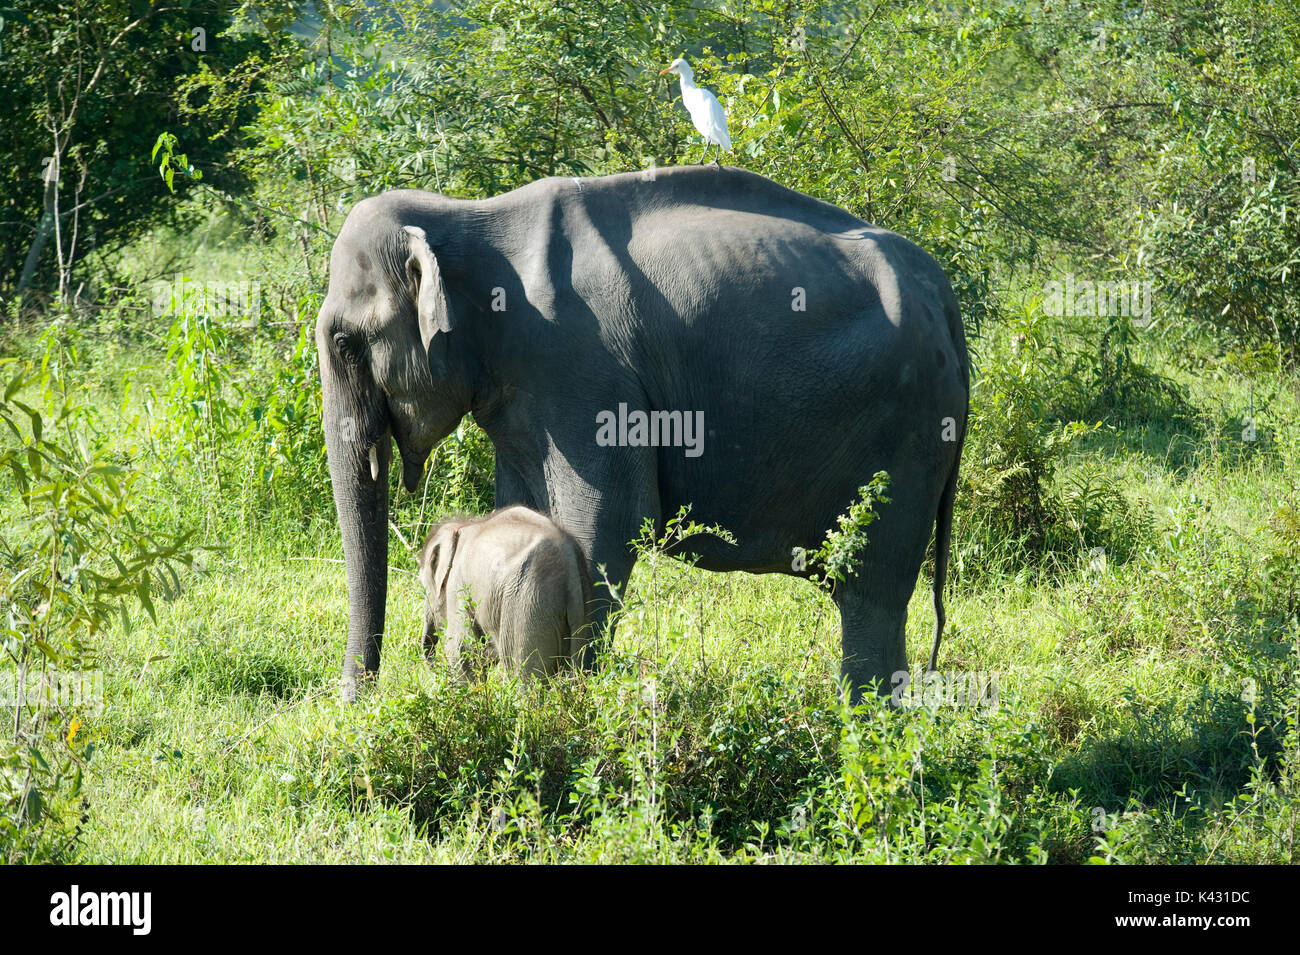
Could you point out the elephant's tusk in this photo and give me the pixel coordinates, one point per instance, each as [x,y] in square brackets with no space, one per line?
[374,462]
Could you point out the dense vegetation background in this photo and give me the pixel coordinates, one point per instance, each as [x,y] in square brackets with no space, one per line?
[1125,565]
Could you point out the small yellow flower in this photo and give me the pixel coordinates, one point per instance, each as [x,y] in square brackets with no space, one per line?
[72,730]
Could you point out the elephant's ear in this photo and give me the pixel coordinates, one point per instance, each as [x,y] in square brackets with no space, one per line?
[430,294]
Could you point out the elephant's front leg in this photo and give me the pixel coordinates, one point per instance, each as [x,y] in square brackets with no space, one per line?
[432,626]
[610,566]
[603,504]
[511,487]
[464,638]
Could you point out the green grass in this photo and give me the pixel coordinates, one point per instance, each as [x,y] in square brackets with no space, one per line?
[1123,731]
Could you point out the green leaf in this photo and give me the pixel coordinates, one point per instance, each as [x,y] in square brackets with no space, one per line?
[15,384]
[20,476]
[33,805]
[37,758]
[158,144]
[142,592]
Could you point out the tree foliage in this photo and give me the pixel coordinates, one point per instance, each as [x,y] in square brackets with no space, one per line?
[87,88]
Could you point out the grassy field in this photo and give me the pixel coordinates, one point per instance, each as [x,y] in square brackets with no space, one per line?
[1111,189]
[1145,700]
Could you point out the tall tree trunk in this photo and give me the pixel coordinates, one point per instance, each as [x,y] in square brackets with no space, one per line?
[43,228]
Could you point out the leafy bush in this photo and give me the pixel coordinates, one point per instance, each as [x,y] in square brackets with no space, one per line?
[90,88]
[73,559]
[1227,257]
[1222,238]
[1017,496]
[836,558]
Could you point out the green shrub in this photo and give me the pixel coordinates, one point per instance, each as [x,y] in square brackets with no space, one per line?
[73,559]
[1021,497]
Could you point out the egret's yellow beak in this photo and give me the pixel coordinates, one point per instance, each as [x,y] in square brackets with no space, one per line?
[662,72]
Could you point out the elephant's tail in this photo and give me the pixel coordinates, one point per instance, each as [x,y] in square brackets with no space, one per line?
[942,545]
[947,501]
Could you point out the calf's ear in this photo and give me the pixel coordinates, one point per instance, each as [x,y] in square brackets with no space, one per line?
[446,543]
[424,558]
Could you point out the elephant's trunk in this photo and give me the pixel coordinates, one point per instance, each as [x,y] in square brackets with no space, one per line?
[359,473]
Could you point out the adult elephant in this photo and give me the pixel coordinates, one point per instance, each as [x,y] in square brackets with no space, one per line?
[813,349]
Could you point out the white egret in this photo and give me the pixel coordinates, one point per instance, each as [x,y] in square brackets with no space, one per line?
[706,112]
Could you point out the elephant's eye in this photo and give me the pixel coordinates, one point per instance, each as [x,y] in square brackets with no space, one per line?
[348,347]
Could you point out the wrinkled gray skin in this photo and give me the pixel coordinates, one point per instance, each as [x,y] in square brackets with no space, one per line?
[674,289]
[510,587]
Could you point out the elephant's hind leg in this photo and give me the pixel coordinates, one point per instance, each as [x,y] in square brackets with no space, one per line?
[873,637]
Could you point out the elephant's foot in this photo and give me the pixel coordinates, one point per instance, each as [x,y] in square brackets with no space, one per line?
[354,683]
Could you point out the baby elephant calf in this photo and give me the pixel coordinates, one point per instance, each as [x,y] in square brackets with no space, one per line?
[513,585]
